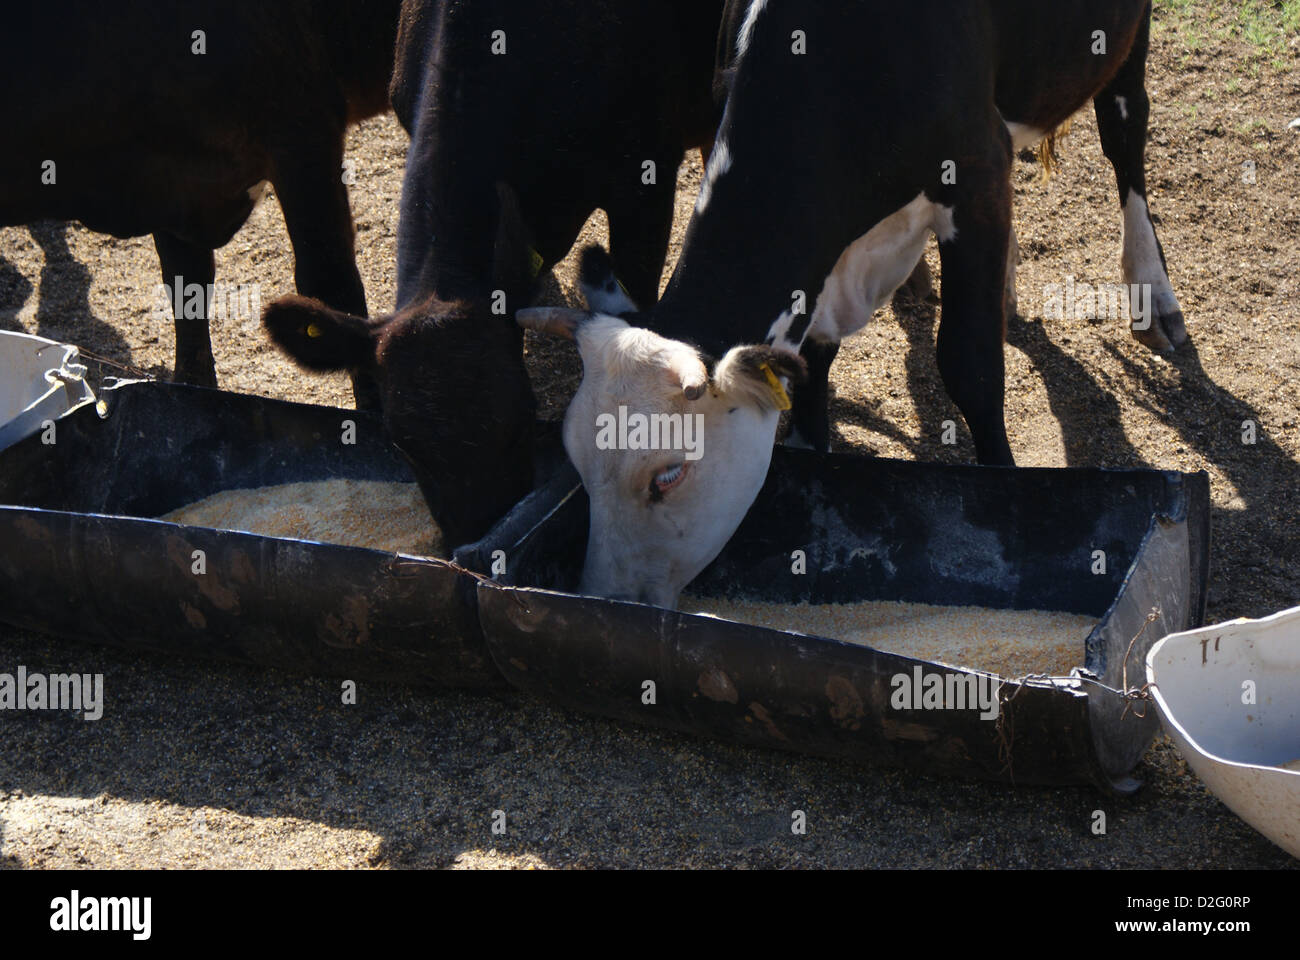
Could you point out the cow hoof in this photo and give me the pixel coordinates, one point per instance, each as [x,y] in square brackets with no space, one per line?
[1154,339]
[1175,328]
[1168,330]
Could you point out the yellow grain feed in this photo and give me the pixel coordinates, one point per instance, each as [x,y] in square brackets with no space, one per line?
[354,513]
[1010,643]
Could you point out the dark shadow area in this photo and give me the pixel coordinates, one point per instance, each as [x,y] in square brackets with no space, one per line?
[424,771]
[64,312]
[1092,428]
[918,318]
[15,290]
[1255,552]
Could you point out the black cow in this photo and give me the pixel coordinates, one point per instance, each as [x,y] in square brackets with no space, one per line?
[852,132]
[524,117]
[164,118]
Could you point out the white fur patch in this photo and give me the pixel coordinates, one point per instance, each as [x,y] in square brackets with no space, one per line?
[747,28]
[1140,259]
[778,335]
[874,266]
[1122,103]
[719,163]
[1023,135]
[614,302]
[943,226]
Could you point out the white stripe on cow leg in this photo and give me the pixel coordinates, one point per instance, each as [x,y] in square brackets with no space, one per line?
[1149,287]
[1123,109]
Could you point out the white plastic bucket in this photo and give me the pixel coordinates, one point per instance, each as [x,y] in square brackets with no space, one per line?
[40,380]
[1229,697]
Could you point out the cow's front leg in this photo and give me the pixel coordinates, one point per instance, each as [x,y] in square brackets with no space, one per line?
[973,256]
[191,268]
[810,423]
[1122,109]
[309,184]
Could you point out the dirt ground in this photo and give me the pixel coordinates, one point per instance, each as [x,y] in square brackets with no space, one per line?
[202,765]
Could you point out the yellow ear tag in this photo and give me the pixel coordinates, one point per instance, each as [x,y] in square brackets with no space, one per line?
[535,262]
[313,331]
[779,396]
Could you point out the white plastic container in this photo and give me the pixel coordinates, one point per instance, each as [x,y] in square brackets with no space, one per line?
[1204,682]
[39,380]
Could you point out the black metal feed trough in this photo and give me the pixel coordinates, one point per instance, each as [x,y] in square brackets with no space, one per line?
[79,557]
[872,530]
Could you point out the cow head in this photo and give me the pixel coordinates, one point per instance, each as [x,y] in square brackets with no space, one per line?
[671,453]
[455,397]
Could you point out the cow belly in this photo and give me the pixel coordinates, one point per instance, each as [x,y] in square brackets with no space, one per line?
[874,266]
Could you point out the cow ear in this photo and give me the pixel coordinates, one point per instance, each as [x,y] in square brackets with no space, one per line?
[600,286]
[317,337]
[760,375]
[556,321]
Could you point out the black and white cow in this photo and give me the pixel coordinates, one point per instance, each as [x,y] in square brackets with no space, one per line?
[851,134]
[524,118]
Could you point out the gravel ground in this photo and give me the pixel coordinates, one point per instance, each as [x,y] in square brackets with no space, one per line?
[196,764]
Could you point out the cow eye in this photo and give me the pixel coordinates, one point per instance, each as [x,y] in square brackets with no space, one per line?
[666,479]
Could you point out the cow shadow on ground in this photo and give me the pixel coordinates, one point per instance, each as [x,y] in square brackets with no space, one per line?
[15,290]
[1088,412]
[63,311]
[1256,532]
[917,319]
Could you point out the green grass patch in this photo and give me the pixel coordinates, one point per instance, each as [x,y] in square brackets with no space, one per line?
[1266,27]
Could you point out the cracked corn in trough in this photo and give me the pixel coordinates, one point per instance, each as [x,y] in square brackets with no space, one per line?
[354,513]
[1010,643]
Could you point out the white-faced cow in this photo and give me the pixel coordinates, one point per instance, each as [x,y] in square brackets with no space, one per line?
[849,137]
[166,118]
[524,118]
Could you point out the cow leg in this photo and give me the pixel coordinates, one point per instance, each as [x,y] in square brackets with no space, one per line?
[1122,109]
[810,423]
[1013,259]
[640,225]
[972,324]
[183,264]
[310,186]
